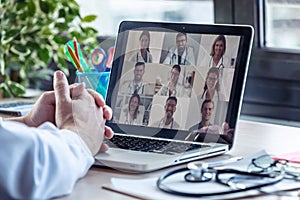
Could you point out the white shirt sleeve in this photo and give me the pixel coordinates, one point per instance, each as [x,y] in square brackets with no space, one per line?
[40,163]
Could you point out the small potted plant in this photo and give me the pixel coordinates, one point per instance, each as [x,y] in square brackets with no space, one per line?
[32,34]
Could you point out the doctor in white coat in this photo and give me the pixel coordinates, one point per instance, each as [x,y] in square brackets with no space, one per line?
[45,152]
[181,54]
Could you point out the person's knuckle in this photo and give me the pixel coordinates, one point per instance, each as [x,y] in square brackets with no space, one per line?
[60,86]
[46,94]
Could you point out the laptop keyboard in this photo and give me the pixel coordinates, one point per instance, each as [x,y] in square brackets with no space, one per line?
[16,108]
[151,145]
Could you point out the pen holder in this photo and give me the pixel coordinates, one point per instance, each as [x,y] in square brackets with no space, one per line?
[97,81]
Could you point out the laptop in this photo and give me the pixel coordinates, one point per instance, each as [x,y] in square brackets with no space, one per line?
[15,108]
[154,130]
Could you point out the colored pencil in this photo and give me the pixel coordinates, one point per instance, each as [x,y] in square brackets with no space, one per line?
[75,59]
[76,48]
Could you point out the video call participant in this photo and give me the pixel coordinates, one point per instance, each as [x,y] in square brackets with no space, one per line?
[131,114]
[181,54]
[211,89]
[173,87]
[206,131]
[207,108]
[168,121]
[217,57]
[136,85]
[143,54]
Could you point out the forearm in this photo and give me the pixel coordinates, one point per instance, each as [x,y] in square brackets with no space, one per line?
[45,157]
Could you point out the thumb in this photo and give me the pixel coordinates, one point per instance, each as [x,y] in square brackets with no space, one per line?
[61,88]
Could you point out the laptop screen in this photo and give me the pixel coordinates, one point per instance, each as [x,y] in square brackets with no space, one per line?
[178,81]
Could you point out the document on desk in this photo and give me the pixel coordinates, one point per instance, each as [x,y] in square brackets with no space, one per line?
[147,189]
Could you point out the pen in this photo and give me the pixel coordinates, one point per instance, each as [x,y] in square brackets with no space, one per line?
[76,48]
[75,59]
[224,162]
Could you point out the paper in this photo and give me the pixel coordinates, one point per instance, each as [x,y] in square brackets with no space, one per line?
[146,188]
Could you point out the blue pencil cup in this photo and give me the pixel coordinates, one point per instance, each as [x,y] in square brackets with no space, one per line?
[97,81]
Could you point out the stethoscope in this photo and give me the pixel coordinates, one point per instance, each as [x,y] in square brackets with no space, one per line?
[147,59]
[221,66]
[201,172]
[174,56]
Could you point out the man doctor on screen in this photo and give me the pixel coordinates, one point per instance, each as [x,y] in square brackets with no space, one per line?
[181,54]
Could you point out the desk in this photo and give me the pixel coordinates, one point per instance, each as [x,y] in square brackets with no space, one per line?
[251,137]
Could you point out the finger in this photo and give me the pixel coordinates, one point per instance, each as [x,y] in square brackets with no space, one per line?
[48,98]
[61,87]
[109,133]
[72,86]
[107,112]
[104,147]
[225,127]
[77,90]
[100,102]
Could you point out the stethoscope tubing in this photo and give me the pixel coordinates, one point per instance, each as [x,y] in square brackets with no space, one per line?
[174,57]
[169,190]
[221,66]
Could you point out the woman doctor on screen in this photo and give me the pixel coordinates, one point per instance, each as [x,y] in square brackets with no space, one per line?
[143,54]
[217,58]
[132,114]
[211,89]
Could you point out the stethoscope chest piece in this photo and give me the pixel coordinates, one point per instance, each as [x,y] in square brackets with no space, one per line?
[199,172]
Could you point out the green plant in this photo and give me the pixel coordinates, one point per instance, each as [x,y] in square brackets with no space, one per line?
[32,33]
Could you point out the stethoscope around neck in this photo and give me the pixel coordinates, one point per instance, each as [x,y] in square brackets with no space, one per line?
[201,173]
[145,59]
[174,56]
[221,66]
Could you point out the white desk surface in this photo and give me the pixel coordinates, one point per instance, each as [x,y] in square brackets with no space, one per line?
[250,138]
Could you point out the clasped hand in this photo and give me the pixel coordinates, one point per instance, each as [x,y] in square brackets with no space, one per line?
[74,108]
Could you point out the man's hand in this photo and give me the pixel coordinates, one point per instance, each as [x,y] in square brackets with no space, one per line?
[82,112]
[42,111]
[61,106]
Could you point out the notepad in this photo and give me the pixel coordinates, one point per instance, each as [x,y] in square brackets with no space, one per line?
[291,157]
[146,189]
